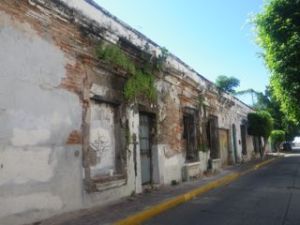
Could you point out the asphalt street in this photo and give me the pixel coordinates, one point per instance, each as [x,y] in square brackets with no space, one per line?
[270,195]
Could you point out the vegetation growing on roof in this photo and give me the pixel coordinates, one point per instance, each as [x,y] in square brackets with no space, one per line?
[113,54]
[162,58]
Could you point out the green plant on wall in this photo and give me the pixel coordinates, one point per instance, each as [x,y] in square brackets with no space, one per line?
[200,101]
[140,83]
[113,54]
[152,63]
[162,58]
[203,148]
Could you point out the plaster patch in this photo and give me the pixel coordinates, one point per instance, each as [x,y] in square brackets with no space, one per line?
[37,202]
[57,119]
[102,138]
[172,170]
[21,166]
[173,161]
[34,111]
[40,63]
[99,89]
[29,137]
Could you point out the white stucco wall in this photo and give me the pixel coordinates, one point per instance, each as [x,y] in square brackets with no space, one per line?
[36,118]
[39,174]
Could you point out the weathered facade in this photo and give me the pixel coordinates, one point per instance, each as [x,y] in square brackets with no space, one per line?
[69,139]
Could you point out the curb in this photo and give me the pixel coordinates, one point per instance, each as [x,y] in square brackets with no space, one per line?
[264,163]
[140,217]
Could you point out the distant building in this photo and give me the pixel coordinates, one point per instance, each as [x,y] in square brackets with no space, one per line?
[296,142]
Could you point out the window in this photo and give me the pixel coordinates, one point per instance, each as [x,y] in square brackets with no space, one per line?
[107,144]
[190,134]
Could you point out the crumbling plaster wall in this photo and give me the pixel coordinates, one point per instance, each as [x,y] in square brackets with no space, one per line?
[183,71]
[177,92]
[44,94]
[46,114]
[37,118]
[236,114]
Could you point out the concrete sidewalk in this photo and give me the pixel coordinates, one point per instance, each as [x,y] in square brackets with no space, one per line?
[117,212]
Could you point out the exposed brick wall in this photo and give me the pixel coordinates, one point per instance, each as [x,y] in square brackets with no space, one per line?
[74,138]
[82,67]
[64,34]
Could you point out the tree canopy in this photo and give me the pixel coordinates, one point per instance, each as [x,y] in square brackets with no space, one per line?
[260,124]
[267,102]
[227,84]
[278,31]
[277,137]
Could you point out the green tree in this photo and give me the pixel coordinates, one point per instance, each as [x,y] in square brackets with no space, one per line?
[278,31]
[227,84]
[260,124]
[277,136]
[267,102]
[250,91]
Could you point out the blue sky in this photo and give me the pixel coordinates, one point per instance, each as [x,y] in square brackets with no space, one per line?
[212,36]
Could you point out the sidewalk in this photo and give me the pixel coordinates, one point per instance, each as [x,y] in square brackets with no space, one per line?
[125,207]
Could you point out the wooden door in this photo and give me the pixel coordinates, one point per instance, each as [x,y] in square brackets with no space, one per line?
[224,146]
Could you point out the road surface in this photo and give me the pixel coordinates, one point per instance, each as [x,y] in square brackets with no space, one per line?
[269,196]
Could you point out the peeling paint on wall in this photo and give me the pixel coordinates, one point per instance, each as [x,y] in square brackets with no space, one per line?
[102,139]
[19,166]
[32,202]
[63,118]
[36,117]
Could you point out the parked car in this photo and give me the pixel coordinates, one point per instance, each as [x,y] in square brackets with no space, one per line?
[286,146]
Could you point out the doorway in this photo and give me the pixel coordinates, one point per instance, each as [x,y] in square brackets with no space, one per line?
[145,148]
[213,137]
[189,135]
[234,143]
[243,137]
[224,146]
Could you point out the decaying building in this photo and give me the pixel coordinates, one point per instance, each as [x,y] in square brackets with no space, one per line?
[69,137]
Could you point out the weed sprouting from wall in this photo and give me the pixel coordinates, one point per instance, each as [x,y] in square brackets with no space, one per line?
[162,58]
[113,54]
[140,83]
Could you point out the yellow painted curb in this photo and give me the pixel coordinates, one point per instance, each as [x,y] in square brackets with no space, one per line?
[157,209]
[140,217]
[264,163]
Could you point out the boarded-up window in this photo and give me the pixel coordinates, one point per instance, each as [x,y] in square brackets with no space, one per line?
[107,140]
[190,134]
[213,137]
[102,139]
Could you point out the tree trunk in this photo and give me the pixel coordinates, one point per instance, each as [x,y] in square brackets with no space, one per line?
[277,147]
[264,147]
[261,150]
